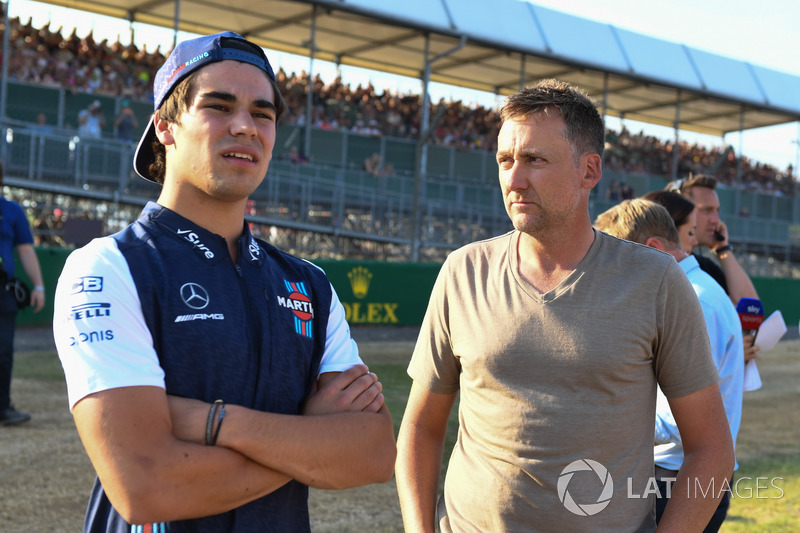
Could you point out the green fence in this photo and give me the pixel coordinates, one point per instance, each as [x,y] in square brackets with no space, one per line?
[386,294]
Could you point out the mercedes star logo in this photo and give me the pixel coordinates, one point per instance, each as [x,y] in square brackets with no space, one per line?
[194,295]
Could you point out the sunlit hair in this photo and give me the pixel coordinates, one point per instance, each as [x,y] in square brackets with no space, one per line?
[638,220]
[584,129]
[684,186]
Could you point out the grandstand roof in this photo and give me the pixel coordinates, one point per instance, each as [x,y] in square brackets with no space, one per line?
[631,75]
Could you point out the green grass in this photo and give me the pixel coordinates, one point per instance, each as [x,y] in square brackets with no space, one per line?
[766,491]
[44,366]
[766,496]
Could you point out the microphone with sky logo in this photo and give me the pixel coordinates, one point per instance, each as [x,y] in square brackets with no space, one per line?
[751,314]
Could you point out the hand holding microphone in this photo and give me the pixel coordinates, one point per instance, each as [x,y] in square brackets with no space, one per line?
[751,315]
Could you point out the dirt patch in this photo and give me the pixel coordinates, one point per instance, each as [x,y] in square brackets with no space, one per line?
[45,476]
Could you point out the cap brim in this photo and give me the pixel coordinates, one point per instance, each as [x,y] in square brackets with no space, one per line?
[144,152]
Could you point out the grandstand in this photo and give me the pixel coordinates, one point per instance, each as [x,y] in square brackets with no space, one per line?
[328,205]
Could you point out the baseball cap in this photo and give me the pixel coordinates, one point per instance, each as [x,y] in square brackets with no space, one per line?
[187,57]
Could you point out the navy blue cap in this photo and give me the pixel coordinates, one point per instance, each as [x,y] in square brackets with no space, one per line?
[187,57]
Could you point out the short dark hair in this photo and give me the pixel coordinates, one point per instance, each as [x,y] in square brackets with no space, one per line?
[585,129]
[177,103]
[679,207]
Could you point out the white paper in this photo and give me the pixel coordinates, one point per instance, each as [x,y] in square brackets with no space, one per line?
[752,379]
[770,332]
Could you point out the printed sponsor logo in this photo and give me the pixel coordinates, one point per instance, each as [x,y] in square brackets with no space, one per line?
[184,65]
[360,278]
[299,303]
[371,313]
[195,296]
[254,249]
[367,312]
[87,284]
[200,316]
[91,337]
[90,310]
[193,238]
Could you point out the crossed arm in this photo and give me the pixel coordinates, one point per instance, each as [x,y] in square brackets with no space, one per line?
[139,438]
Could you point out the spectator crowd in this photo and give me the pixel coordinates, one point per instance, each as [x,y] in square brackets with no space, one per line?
[46,57]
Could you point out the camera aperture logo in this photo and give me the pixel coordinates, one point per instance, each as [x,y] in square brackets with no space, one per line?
[585,509]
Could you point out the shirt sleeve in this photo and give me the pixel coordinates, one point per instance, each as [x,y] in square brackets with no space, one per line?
[683,362]
[100,332]
[22,230]
[341,351]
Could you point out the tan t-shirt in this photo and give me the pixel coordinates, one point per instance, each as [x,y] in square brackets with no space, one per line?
[557,390]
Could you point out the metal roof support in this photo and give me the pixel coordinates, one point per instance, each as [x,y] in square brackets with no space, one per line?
[677,126]
[521,72]
[422,143]
[312,48]
[177,26]
[739,173]
[4,84]
[605,106]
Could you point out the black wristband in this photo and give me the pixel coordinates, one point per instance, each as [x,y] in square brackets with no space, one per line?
[723,249]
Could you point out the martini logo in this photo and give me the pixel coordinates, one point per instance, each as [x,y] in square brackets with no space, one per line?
[299,303]
[359,281]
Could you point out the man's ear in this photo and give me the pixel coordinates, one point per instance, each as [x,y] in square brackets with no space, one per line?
[593,166]
[655,242]
[163,130]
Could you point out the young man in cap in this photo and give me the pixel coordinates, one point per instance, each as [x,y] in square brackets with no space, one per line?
[212,377]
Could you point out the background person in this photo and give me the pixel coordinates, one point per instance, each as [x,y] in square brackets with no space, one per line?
[712,233]
[555,336]
[684,214]
[125,124]
[91,121]
[185,307]
[15,234]
[649,223]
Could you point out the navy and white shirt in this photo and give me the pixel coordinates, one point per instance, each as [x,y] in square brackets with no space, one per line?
[162,304]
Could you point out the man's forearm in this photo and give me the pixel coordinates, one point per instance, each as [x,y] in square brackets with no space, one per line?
[695,494]
[419,462]
[739,283]
[333,451]
[30,263]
